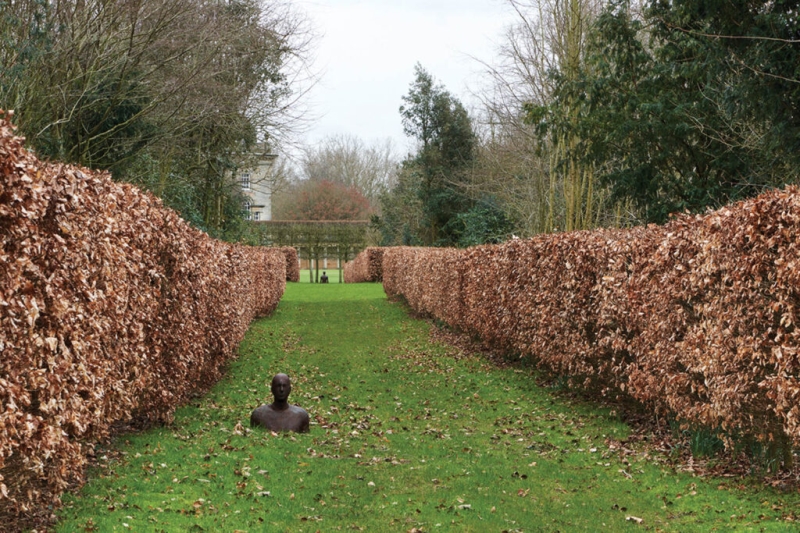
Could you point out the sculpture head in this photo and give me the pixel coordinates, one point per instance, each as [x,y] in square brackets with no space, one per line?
[281,387]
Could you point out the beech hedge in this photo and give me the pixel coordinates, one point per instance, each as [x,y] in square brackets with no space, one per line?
[696,318]
[292,263]
[112,310]
[365,267]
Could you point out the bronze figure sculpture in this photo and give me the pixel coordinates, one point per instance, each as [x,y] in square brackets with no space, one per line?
[280,415]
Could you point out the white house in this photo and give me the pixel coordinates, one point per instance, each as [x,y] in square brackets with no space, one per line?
[256,180]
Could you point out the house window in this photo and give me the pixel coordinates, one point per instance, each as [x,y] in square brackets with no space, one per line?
[247,205]
[244,179]
[256,215]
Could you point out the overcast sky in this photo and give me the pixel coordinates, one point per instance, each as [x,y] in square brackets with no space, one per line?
[367,52]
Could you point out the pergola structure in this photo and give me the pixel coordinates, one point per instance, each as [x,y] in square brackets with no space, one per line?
[316,241]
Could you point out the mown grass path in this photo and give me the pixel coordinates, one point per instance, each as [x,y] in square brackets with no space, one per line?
[406,434]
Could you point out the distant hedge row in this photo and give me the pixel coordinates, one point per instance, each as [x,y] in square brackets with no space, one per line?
[112,309]
[367,266]
[697,318]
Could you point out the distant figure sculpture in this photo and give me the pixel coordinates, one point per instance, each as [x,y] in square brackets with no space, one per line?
[324,278]
[279,415]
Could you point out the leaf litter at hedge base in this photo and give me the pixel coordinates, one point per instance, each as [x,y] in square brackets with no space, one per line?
[406,434]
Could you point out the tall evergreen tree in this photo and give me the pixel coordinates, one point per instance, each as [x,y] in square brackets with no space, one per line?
[694,109]
[446,141]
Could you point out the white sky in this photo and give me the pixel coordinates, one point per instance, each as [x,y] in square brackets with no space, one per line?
[368,49]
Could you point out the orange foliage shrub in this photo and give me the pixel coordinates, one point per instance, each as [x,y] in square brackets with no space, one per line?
[292,264]
[112,309]
[696,319]
[366,266]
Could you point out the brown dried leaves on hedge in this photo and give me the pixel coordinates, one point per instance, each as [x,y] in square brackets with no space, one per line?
[111,308]
[292,263]
[365,267]
[695,318]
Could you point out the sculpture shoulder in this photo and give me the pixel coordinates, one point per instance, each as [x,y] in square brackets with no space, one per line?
[303,419]
[293,418]
[260,414]
[299,410]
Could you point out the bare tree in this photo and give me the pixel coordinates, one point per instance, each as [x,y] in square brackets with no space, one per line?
[534,174]
[509,169]
[346,159]
[175,86]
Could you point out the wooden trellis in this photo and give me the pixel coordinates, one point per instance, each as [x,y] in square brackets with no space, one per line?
[315,240]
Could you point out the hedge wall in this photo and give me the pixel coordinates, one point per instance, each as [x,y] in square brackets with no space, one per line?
[292,263]
[366,266]
[112,309]
[696,319]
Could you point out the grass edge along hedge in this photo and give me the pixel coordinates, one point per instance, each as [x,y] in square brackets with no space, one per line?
[367,266]
[696,318]
[112,309]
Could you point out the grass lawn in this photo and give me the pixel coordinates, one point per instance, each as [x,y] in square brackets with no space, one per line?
[333,275]
[406,434]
